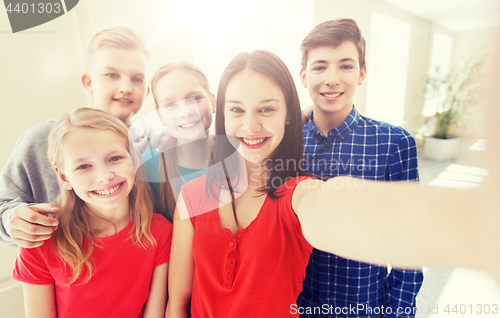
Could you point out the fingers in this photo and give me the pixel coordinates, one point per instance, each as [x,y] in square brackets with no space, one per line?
[28,241]
[29,227]
[45,208]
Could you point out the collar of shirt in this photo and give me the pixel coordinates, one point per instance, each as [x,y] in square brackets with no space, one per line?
[342,131]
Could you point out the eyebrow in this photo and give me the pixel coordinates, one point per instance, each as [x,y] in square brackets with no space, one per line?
[347,59]
[261,102]
[169,98]
[109,68]
[109,154]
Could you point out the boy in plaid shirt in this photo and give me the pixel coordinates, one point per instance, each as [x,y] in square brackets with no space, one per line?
[338,141]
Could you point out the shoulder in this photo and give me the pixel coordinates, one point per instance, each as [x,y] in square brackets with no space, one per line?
[160,222]
[30,152]
[34,136]
[197,184]
[160,225]
[392,132]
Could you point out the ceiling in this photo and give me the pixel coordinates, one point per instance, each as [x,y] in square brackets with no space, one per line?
[454,15]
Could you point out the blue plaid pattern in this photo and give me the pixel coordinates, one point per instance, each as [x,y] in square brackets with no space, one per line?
[337,287]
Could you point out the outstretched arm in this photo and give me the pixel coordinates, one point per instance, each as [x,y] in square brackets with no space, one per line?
[39,301]
[180,278]
[438,227]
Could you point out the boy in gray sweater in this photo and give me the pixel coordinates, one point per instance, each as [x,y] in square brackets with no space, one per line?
[117,79]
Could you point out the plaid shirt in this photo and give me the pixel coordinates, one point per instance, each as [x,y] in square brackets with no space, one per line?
[337,287]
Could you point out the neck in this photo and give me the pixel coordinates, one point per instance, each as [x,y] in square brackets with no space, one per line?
[256,175]
[324,121]
[194,154]
[107,222]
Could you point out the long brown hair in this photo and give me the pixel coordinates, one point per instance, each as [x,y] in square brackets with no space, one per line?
[290,148]
[74,223]
[169,189]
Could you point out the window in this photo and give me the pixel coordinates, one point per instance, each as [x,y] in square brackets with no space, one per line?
[387,68]
[442,47]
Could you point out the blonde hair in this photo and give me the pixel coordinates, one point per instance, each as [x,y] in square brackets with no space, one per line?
[74,222]
[168,190]
[118,37]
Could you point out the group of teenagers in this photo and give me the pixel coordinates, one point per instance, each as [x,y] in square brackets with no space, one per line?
[177,223]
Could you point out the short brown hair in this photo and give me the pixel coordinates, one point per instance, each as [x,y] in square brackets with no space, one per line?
[334,33]
[118,37]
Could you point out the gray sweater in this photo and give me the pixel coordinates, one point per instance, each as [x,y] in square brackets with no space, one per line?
[28,176]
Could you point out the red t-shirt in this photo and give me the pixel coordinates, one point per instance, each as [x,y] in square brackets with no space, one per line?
[120,284]
[256,273]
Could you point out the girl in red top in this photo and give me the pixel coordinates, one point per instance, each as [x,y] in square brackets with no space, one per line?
[109,256]
[246,258]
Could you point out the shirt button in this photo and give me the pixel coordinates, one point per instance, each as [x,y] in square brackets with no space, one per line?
[231,244]
[238,236]
[231,255]
[231,265]
[329,144]
[323,297]
[323,270]
[229,275]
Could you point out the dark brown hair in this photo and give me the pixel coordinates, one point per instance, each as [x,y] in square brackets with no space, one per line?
[333,33]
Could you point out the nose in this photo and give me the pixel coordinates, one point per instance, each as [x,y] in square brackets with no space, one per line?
[251,123]
[187,110]
[104,174]
[332,78]
[125,86]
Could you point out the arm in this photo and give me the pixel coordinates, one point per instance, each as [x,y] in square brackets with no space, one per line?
[39,301]
[402,162]
[29,226]
[155,305]
[305,113]
[28,178]
[403,285]
[345,216]
[180,279]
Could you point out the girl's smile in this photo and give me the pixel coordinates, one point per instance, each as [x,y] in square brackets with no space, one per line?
[109,191]
[253,143]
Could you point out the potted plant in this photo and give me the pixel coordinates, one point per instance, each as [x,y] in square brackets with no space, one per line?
[453,94]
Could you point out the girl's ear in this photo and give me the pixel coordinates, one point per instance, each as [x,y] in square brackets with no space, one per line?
[66,184]
[287,120]
[214,102]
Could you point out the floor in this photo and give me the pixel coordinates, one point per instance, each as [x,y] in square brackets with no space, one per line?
[460,292]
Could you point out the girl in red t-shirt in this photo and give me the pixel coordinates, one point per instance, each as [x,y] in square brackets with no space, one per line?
[109,256]
[246,258]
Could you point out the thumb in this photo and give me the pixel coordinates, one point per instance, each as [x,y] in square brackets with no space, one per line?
[45,208]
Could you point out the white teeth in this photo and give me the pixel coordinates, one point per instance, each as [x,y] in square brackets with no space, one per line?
[108,191]
[123,100]
[253,141]
[188,125]
[331,95]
